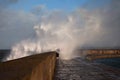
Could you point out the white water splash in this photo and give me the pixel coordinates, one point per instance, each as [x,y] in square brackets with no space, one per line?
[59,31]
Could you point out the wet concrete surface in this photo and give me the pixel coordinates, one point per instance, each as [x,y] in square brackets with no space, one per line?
[78,69]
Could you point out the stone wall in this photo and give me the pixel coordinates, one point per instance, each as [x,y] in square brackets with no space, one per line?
[35,67]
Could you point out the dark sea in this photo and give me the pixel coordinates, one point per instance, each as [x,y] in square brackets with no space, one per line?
[3,54]
[114,62]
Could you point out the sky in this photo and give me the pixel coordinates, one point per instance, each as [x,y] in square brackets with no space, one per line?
[18,18]
[66,5]
[50,4]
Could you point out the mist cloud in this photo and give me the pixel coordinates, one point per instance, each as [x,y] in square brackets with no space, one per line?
[14,25]
[82,28]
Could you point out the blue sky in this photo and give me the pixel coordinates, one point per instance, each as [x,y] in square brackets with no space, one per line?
[67,5]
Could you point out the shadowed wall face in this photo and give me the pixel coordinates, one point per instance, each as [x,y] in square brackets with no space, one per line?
[35,67]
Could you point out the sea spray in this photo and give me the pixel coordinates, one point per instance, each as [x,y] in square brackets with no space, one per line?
[65,32]
[90,26]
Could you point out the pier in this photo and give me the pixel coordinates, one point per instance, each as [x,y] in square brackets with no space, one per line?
[48,66]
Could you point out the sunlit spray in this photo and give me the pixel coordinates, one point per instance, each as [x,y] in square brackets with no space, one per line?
[65,32]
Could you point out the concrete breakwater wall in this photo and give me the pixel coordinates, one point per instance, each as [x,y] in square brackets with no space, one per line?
[92,54]
[35,67]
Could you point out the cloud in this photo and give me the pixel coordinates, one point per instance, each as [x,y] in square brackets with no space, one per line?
[43,30]
[110,23]
[15,26]
[6,3]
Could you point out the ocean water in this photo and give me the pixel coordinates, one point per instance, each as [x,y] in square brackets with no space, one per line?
[3,54]
[114,62]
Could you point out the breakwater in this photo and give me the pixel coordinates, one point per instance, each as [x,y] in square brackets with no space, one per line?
[35,67]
